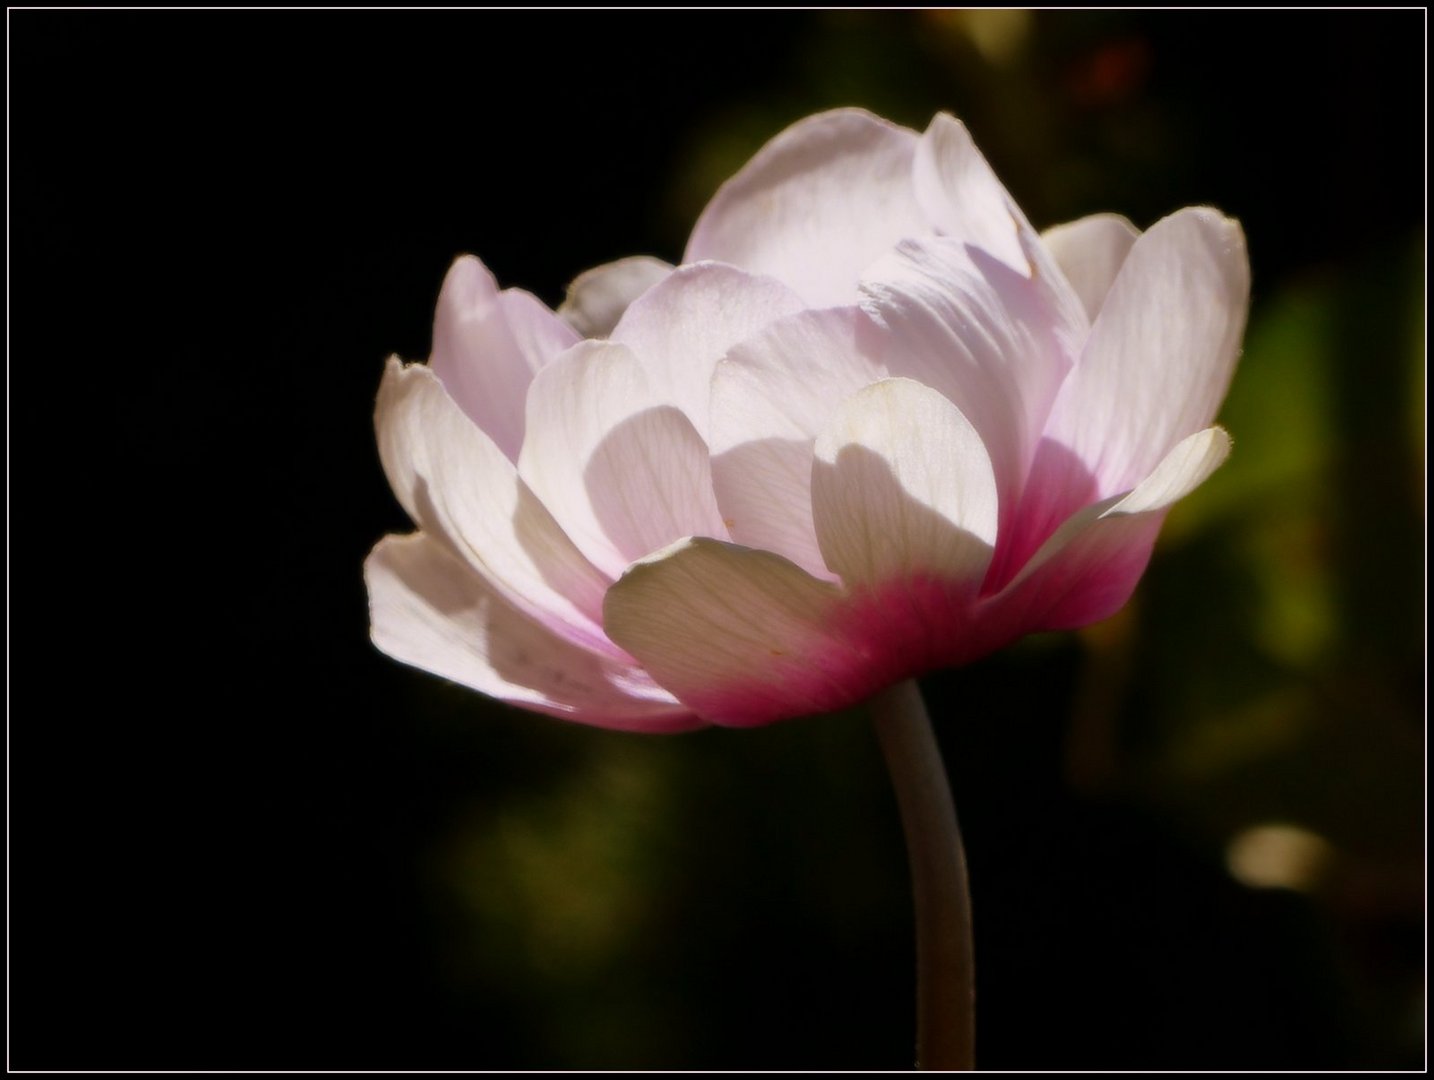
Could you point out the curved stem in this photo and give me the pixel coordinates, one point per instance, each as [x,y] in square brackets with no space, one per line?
[945,971]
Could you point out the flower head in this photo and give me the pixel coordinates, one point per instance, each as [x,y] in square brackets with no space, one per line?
[873,425]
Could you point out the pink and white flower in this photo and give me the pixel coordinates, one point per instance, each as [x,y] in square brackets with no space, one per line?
[873,425]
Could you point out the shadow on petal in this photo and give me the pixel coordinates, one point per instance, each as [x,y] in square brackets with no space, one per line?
[764,490]
[913,609]
[431,610]
[649,481]
[557,559]
[1058,486]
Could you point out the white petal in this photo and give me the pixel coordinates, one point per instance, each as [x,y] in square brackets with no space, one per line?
[458,486]
[997,344]
[622,474]
[1162,351]
[903,489]
[1092,563]
[429,609]
[597,298]
[1179,473]
[816,205]
[961,195]
[486,346]
[742,637]
[771,396]
[681,327]
[1090,253]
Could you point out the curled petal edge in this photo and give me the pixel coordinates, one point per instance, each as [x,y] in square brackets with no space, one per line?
[1087,570]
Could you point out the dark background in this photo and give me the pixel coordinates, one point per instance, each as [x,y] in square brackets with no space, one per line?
[241,838]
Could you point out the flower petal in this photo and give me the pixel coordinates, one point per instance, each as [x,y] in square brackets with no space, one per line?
[997,344]
[597,298]
[428,609]
[740,636]
[816,205]
[961,195]
[459,487]
[1161,352]
[1187,466]
[486,346]
[622,474]
[771,397]
[1089,568]
[538,332]
[682,326]
[1090,253]
[902,489]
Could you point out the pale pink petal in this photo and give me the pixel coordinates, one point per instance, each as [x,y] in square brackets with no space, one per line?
[622,474]
[682,326]
[961,195]
[1161,352]
[1090,253]
[743,637]
[486,346]
[1087,570]
[458,486]
[996,343]
[537,331]
[771,396]
[427,608]
[1063,311]
[902,490]
[597,298]
[816,205]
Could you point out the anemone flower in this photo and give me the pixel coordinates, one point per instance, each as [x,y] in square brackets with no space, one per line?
[873,425]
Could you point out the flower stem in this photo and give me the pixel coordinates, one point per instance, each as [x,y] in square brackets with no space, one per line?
[945,971]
